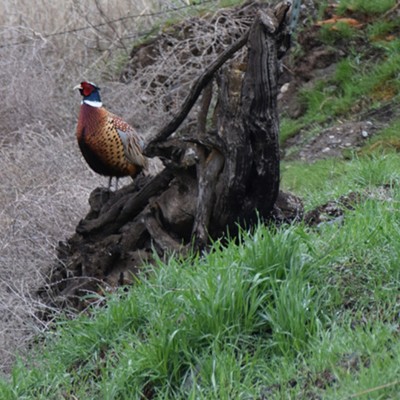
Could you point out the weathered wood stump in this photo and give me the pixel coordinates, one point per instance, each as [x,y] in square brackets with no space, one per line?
[224,175]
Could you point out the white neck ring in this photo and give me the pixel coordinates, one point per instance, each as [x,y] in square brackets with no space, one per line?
[91,103]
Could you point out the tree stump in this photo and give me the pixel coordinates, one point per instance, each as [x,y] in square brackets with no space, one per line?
[224,175]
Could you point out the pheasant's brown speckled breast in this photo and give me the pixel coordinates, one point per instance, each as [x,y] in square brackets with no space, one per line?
[100,143]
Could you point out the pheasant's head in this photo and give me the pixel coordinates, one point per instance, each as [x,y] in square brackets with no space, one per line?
[90,93]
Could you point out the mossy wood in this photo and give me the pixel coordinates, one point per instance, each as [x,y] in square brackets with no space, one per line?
[223,175]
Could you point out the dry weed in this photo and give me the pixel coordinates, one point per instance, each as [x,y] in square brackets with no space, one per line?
[44,183]
[44,189]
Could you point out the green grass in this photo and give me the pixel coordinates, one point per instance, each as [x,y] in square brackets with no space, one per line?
[387,142]
[341,32]
[289,128]
[175,326]
[289,312]
[380,28]
[293,312]
[370,7]
[352,82]
[323,180]
[354,87]
[365,78]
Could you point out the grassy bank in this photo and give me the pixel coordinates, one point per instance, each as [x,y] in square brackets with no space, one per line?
[289,312]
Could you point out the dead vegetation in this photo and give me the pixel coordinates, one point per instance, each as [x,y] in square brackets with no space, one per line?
[45,50]
[41,199]
[207,169]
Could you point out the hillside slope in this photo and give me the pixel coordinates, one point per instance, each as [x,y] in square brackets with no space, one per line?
[308,310]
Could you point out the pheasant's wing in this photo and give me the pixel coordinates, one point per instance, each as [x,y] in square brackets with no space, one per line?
[132,142]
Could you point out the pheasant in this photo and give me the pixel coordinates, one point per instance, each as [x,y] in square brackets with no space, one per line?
[109,145]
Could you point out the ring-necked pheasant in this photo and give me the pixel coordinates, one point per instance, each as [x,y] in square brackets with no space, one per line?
[109,145]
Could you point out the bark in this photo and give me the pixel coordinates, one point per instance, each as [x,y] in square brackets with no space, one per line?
[225,174]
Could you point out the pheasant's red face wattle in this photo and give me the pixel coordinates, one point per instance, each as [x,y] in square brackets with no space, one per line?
[87,88]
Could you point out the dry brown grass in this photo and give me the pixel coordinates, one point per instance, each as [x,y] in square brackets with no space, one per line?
[38,67]
[44,182]
[43,192]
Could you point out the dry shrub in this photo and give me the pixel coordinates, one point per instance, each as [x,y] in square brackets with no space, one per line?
[44,183]
[160,74]
[39,67]
[44,190]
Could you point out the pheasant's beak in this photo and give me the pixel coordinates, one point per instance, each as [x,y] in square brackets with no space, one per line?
[78,87]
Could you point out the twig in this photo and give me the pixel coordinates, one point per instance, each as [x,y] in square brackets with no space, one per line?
[394,8]
[374,389]
[198,86]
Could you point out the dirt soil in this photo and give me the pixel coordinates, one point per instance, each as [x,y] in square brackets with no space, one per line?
[332,141]
[340,136]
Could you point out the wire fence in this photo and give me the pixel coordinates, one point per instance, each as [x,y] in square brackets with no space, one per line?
[296,4]
[42,36]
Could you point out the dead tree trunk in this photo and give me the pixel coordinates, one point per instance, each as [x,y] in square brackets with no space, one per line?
[249,182]
[225,174]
